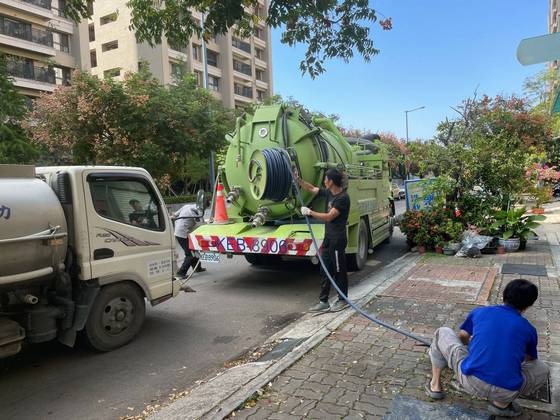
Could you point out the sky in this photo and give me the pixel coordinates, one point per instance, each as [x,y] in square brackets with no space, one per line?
[437,54]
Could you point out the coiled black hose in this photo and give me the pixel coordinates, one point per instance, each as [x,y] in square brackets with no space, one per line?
[278,175]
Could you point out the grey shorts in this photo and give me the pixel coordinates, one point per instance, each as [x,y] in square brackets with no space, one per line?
[448,350]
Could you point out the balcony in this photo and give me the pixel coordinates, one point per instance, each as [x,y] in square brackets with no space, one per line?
[241,45]
[27,39]
[45,4]
[245,91]
[41,8]
[30,72]
[242,68]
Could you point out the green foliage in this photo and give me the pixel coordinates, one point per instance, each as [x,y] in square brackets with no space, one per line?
[180,199]
[330,29]
[136,122]
[514,223]
[429,227]
[486,148]
[14,145]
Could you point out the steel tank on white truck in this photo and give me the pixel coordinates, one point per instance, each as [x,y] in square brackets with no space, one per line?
[81,249]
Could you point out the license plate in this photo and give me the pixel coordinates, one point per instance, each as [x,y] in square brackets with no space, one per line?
[210,257]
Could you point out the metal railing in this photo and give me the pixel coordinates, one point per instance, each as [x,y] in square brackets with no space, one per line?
[45,4]
[242,67]
[36,36]
[243,91]
[31,72]
[242,45]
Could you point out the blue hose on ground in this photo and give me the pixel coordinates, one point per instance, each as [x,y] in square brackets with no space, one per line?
[421,340]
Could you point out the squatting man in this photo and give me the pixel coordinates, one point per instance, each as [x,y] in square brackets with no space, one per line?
[333,250]
[494,356]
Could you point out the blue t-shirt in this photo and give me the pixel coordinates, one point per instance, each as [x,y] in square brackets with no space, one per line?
[501,338]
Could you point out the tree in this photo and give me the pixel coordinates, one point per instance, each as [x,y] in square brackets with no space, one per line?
[135,122]
[487,148]
[14,144]
[330,28]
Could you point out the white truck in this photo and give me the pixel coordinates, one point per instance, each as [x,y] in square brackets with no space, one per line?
[81,249]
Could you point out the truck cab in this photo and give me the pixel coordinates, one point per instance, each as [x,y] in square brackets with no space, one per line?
[94,243]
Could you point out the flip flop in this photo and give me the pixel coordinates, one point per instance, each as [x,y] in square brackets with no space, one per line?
[512,410]
[434,395]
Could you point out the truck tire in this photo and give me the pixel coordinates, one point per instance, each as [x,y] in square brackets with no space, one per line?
[357,261]
[116,316]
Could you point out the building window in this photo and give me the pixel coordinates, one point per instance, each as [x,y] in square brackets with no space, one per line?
[196,52]
[93,58]
[104,20]
[214,83]
[61,42]
[260,75]
[60,8]
[177,70]
[261,95]
[242,67]
[242,45]
[91,32]
[212,58]
[23,30]
[108,46]
[62,76]
[107,74]
[90,7]
[199,78]
[259,53]
[246,91]
[259,33]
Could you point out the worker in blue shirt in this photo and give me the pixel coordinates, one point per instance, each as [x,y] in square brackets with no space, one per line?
[495,354]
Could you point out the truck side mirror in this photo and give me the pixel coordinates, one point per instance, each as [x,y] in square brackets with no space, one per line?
[200,201]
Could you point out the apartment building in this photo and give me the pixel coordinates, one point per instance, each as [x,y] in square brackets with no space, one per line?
[42,46]
[239,70]
[553,18]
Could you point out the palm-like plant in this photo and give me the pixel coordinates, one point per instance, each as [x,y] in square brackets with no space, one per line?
[516,223]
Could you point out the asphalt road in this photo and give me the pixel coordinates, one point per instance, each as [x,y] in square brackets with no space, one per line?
[186,339]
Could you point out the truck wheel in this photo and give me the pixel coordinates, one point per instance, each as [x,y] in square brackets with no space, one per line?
[116,317]
[357,261]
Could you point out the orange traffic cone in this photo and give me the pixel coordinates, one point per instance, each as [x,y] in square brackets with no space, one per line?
[220,213]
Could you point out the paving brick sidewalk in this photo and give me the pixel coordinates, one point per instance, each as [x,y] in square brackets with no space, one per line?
[359,369]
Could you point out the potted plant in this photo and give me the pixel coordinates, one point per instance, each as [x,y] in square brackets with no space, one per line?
[440,243]
[422,239]
[454,232]
[542,195]
[514,227]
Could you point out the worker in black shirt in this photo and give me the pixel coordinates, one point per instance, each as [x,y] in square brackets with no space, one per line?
[335,241]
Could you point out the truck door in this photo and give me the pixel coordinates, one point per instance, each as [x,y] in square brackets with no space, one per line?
[129,231]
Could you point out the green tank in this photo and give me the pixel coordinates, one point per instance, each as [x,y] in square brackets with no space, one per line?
[264,149]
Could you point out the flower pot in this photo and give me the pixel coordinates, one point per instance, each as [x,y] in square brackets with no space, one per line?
[511,244]
[500,250]
[537,210]
[439,250]
[421,249]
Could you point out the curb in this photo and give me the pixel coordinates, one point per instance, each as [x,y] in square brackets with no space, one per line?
[222,394]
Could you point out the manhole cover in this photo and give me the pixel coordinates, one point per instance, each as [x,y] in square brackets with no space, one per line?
[409,408]
[542,394]
[282,349]
[525,269]
[459,284]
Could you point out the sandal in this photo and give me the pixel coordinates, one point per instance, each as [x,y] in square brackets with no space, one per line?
[434,395]
[511,410]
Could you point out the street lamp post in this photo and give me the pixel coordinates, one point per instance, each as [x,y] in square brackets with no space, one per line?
[406,119]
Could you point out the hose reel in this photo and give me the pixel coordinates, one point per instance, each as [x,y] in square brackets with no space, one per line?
[270,175]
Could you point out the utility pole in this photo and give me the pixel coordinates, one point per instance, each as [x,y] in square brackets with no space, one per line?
[205,82]
[406,120]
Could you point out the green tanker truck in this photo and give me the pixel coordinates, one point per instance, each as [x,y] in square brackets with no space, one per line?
[263,222]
